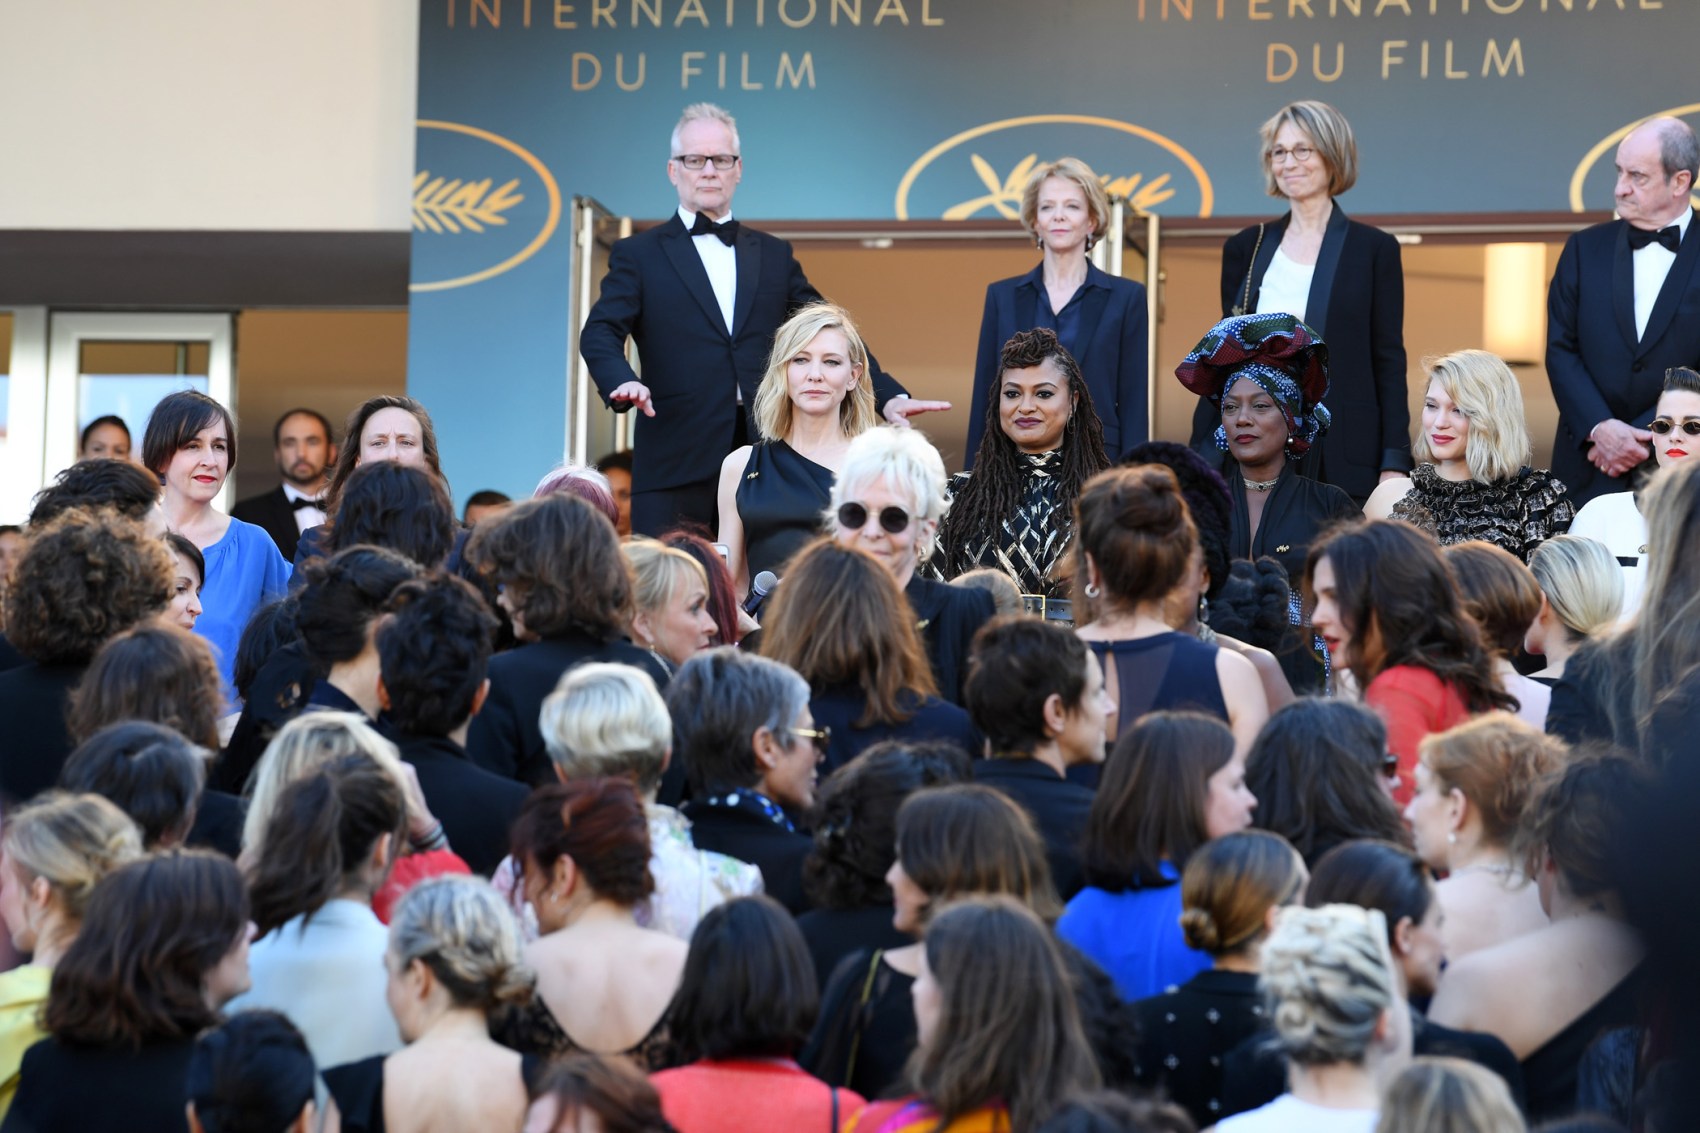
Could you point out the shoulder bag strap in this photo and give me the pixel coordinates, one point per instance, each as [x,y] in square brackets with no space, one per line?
[861,1018]
[1244,306]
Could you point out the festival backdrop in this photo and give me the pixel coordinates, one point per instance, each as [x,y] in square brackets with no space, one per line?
[910,109]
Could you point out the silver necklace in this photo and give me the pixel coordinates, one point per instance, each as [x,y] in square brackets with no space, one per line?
[1262,485]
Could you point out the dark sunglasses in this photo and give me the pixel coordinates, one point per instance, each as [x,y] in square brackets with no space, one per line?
[1390,765]
[1662,425]
[893,520]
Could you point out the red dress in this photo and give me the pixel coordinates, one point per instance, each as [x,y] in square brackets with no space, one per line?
[739,1095]
[1413,703]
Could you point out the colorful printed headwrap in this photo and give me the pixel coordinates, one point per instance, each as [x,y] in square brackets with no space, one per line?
[1281,355]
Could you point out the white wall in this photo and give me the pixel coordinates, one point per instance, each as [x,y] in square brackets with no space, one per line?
[208,114]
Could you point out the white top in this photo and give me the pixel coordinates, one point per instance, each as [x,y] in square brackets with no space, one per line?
[1615,521]
[1287,1114]
[327,974]
[1285,287]
[1533,697]
[720,261]
[1652,264]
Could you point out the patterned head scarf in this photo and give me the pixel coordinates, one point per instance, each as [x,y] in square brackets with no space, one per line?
[1281,355]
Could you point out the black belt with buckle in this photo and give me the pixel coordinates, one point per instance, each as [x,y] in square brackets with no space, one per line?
[1051,609]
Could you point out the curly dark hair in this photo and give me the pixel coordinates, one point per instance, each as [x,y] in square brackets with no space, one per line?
[83,577]
[560,561]
[152,672]
[1395,591]
[993,492]
[385,504]
[1578,815]
[1253,607]
[855,819]
[129,489]
[433,653]
[1207,500]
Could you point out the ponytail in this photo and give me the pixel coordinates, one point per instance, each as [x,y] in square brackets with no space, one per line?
[320,835]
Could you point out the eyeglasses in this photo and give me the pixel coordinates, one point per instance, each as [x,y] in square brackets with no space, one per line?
[1390,765]
[1300,154]
[822,737]
[894,520]
[722,161]
[1662,425]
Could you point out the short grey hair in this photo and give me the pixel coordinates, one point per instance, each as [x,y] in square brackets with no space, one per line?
[701,112]
[908,463]
[719,700]
[607,720]
[1678,148]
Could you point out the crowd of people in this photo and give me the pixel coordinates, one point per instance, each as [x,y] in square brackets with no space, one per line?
[1327,781]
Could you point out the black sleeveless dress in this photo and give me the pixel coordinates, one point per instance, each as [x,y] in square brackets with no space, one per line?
[1164,672]
[781,500]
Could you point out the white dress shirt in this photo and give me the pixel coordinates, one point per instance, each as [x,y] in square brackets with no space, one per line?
[305,517]
[720,260]
[1652,264]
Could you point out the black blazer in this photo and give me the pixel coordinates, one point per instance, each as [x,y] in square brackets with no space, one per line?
[1298,509]
[1597,367]
[949,616]
[272,511]
[840,708]
[755,839]
[475,807]
[657,293]
[1113,352]
[37,737]
[66,1088]
[1059,808]
[1357,306]
[505,737]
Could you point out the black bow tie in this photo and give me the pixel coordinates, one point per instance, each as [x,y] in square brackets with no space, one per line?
[726,230]
[1670,236]
[300,502]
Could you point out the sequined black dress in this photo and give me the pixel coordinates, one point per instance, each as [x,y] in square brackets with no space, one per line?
[1517,514]
[1027,545]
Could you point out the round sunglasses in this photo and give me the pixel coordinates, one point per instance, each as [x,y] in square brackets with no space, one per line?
[1662,425]
[893,519]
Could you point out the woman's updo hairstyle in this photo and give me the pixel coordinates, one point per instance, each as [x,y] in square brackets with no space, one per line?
[1497,761]
[599,824]
[1581,580]
[1327,979]
[1230,885]
[71,841]
[1134,524]
[459,927]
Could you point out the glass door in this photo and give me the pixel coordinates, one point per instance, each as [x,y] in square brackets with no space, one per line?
[593,430]
[121,365]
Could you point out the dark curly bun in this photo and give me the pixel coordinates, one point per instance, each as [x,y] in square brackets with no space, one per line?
[1135,525]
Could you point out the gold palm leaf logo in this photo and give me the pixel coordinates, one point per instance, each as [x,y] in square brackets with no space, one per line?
[1004,194]
[453,205]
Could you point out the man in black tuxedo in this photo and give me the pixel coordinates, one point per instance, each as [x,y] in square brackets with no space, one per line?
[702,298]
[1623,308]
[301,442]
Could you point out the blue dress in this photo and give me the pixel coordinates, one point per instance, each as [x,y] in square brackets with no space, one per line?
[244,572]
[1134,935]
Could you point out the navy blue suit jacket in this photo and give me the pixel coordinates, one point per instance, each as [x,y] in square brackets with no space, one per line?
[657,293]
[1113,355]
[1597,367]
[1357,305]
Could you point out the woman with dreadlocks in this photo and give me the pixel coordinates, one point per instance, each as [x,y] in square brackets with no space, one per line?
[1042,440]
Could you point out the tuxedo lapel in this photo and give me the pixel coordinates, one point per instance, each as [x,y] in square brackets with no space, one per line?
[1623,285]
[676,243]
[1092,306]
[1322,278]
[749,276]
[1677,283]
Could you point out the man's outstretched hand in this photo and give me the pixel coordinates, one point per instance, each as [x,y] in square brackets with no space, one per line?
[635,393]
[899,409]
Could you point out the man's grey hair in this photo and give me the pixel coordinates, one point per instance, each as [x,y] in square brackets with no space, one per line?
[1678,148]
[700,111]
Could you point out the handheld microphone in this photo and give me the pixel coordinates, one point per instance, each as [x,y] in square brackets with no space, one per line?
[760,588]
